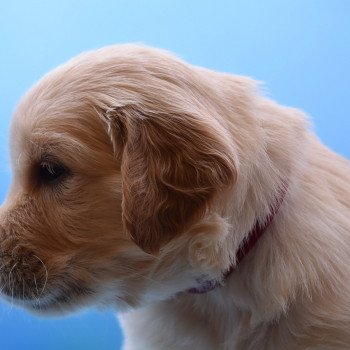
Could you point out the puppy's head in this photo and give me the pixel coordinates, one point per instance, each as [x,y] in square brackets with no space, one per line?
[115,155]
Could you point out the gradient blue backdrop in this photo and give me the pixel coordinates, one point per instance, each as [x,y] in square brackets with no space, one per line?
[301,49]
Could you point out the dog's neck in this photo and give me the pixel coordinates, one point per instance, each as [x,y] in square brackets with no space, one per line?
[245,247]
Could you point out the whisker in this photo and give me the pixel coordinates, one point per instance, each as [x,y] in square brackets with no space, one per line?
[14,265]
[13,285]
[46,276]
[36,286]
[23,289]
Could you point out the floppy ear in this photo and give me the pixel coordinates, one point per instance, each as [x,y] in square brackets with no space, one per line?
[172,166]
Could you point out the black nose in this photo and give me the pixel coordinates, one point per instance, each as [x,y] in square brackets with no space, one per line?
[22,276]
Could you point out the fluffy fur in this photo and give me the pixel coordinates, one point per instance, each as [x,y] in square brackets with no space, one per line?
[135,175]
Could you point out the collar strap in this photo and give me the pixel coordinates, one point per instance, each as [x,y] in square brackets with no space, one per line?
[246,245]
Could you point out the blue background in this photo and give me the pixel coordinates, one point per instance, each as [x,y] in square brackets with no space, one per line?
[300,49]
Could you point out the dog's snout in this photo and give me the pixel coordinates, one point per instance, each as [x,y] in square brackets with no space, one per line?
[22,276]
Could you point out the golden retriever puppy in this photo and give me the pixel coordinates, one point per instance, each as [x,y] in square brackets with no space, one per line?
[208,215]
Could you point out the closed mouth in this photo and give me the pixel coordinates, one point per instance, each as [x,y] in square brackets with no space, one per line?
[60,298]
[65,297]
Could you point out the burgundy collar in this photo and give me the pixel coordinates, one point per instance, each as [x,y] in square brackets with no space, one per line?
[246,245]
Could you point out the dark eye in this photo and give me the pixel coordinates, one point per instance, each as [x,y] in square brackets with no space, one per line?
[50,172]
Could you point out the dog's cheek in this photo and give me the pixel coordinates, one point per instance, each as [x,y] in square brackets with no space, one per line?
[78,238]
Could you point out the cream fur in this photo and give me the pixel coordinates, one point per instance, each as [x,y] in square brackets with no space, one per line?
[167,168]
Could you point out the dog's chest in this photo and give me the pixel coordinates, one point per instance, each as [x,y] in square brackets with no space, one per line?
[184,325]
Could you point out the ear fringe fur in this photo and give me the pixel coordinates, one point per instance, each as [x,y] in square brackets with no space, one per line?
[172,166]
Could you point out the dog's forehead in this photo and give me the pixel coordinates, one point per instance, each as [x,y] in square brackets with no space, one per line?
[67,101]
[42,126]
